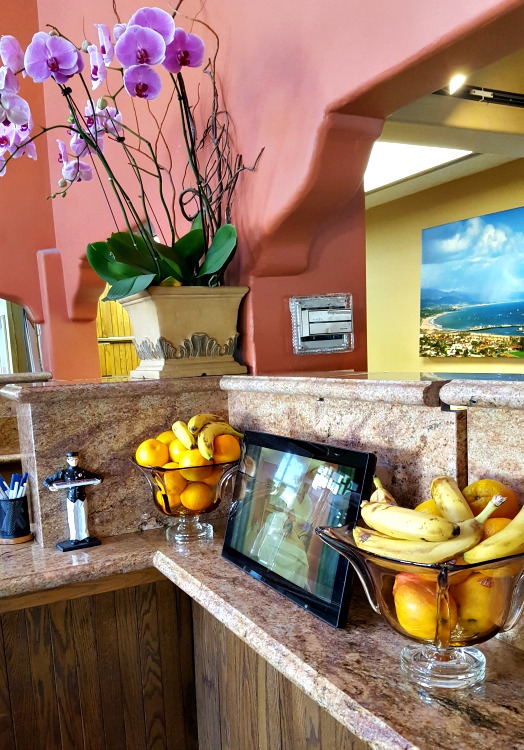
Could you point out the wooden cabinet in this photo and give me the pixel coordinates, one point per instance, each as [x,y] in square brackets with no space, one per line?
[110,671]
[243,703]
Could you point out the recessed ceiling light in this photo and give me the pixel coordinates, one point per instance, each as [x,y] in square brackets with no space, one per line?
[456,82]
[391,162]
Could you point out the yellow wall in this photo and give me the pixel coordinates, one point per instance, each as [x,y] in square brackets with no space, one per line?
[393,236]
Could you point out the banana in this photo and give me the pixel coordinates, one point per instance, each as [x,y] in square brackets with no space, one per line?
[381,495]
[429,553]
[508,541]
[450,501]
[196,423]
[405,523]
[209,432]
[182,433]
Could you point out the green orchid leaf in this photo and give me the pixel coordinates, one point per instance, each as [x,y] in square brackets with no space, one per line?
[101,260]
[221,250]
[132,249]
[197,222]
[125,287]
[169,267]
[191,245]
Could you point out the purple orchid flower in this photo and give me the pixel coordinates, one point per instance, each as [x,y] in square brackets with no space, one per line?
[111,120]
[140,46]
[185,49]
[2,167]
[106,45]
[91,120]
[156,19]
[8,82]
[142,81]
[118,30]
[7,137]
[73,171]
[54,56]
[98,67]
[11,53]
[14,109]
[22,146]
[79,147]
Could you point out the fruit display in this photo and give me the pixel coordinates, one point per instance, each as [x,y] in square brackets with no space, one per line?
[445,526]
[446,574]
[184,464]
[451,530]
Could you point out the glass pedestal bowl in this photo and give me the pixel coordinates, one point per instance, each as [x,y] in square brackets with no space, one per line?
[185,495]
[445,608]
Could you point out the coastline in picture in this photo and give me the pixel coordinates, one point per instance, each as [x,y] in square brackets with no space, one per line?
[472,287]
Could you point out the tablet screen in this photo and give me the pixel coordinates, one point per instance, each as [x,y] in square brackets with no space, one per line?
[284,489]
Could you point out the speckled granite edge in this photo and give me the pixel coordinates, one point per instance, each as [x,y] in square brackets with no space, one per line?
[487,393]
[348,712]
[28,568]
[351,388]
[53,391]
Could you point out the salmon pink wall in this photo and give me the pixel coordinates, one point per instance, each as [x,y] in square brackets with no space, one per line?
[26,223]
[312,88]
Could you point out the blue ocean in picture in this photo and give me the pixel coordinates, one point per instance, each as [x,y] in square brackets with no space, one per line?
[499,319]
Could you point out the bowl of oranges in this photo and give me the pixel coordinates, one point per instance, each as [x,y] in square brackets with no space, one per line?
[188,469]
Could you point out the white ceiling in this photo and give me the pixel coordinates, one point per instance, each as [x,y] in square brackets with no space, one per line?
[494,133]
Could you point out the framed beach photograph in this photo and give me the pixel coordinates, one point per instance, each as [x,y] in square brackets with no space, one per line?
[472,287]
[284,489]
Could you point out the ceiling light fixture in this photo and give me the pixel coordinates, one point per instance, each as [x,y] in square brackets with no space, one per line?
[481,94]
[456,82]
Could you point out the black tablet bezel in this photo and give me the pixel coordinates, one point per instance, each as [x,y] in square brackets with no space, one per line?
[334,612]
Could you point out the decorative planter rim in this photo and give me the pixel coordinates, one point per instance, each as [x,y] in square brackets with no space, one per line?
[182,291]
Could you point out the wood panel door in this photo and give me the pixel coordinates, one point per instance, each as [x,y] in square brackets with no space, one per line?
[115,340]
[243,703]
[113,671]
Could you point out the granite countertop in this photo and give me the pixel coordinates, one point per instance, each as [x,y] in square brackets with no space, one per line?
[353,673]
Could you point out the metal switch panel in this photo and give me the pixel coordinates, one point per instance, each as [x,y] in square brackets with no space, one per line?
[322,324]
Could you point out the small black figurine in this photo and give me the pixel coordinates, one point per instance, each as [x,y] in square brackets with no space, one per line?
[74,479]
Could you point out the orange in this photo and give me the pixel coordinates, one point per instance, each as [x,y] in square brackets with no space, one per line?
[176,448]
[481,603]
[152,452]
[225,448]
[493,526]
[169,502]
[161,501]
[166,437]
[479,493]
[193,465]
[174,481]
[213,479]
[197,496]
[173,498]
[416,609]
[428,506]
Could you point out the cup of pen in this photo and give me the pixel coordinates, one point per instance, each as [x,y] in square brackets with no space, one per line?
[14,512]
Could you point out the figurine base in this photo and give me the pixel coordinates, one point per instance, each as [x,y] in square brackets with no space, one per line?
[71,545]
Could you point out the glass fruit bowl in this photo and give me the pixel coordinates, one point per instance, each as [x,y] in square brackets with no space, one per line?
[186,494]
[446,608]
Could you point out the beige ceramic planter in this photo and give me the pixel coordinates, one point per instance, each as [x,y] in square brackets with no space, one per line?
[185,331]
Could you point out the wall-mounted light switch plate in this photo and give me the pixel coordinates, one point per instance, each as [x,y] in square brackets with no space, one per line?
[322,324]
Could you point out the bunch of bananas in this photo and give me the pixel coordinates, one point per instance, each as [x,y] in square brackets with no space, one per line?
[200,432]
[422,537]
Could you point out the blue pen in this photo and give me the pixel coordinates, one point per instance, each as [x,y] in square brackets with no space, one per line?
[13,488]
[3,485]
[23,482]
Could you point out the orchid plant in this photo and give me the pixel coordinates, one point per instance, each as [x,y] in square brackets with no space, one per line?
[137,54]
